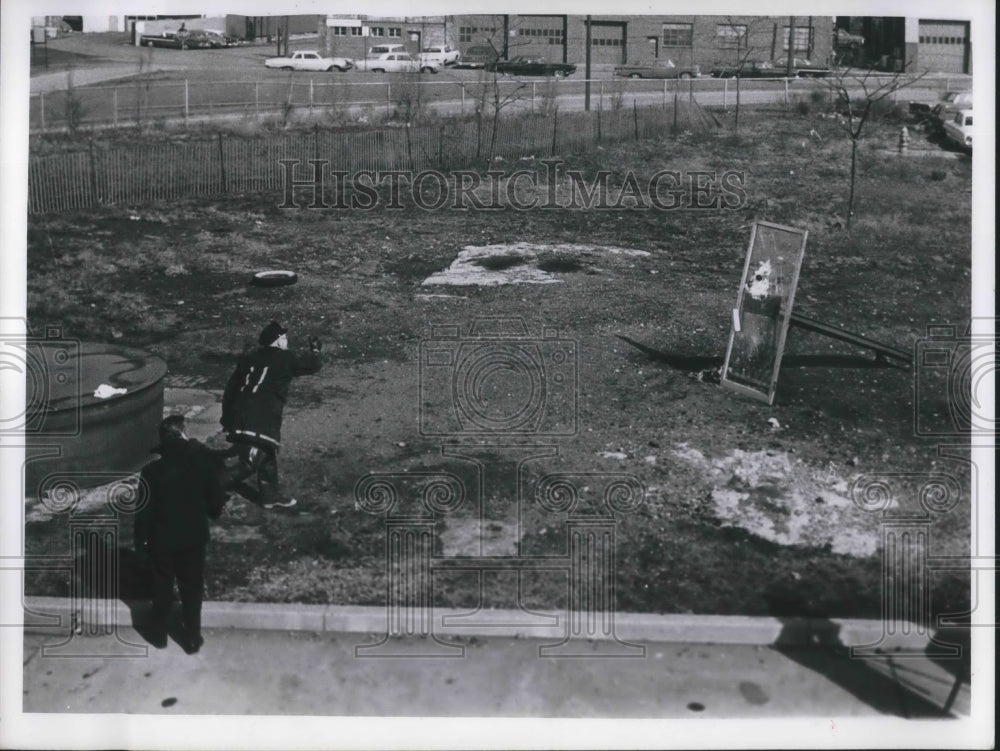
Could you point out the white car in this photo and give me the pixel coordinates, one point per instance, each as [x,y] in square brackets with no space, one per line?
[309,60]
[958,130]
[441,54]
[396,62]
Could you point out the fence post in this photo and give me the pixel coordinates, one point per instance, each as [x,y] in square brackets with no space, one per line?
[310,96]
[114,105]
[600,94]
[256,98]
[635,119]
[388,97]
[93,173]
[555,129]
[664,93]
[786,90]
[186,101]
[725,94]
[690,90]
[222,163]
[675,110]
[463,98]
[41,108]
[532,96]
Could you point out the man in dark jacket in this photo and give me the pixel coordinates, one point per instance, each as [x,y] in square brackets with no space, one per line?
[171,528]
[252,408]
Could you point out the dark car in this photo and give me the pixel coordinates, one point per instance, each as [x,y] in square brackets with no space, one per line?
[177,41]
[531,66]
[478,56]
[802,67]
[749,69]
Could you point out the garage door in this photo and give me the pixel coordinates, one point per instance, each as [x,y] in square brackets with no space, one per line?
[607,44]
[943,46]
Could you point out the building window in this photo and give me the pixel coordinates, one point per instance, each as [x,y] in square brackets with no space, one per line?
[803,41]
[394,31]
[356,31]
[467,33]
[340,31]
[677,34]
[731,35]
[378,31]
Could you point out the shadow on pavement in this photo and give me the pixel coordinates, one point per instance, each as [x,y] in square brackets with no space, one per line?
[893,683]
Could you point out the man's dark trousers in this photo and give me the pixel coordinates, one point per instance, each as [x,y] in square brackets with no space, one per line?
[188,567]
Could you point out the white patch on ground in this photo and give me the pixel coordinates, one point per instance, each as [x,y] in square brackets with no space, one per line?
[613,455]
[782,499]
[462,536]
[466,270]
[81,501]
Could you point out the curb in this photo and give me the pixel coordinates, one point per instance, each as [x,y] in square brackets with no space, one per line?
[448,622]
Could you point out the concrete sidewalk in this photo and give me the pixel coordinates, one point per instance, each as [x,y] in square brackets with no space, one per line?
[329,660]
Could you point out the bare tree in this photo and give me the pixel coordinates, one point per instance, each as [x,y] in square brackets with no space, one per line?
[742,33]
[857,93]
[491,96]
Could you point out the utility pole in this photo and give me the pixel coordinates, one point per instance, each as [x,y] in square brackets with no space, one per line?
[506,36]
[791,47]
[586,83]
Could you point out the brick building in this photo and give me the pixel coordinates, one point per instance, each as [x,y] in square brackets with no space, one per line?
[701,40]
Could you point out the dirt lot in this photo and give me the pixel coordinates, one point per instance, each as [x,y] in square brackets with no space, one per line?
[740,515]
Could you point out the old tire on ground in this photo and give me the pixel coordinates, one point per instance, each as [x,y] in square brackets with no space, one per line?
[278,278]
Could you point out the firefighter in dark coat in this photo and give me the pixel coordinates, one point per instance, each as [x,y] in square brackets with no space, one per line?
[171,527]
[252,408]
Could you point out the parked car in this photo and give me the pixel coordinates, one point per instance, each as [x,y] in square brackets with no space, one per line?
[396,62]
[181,40]
[749,69]
[221,39]
[657,69]
[478,56]
[524,65]
[958,130]
[802,68]
[952,101]
[440,54]
[385,49]
[309,60]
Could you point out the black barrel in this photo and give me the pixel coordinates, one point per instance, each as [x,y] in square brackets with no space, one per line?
[74,436]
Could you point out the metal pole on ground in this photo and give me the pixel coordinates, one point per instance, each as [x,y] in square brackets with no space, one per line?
[256,97]
[186,102]
[41,108]
[114,105]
